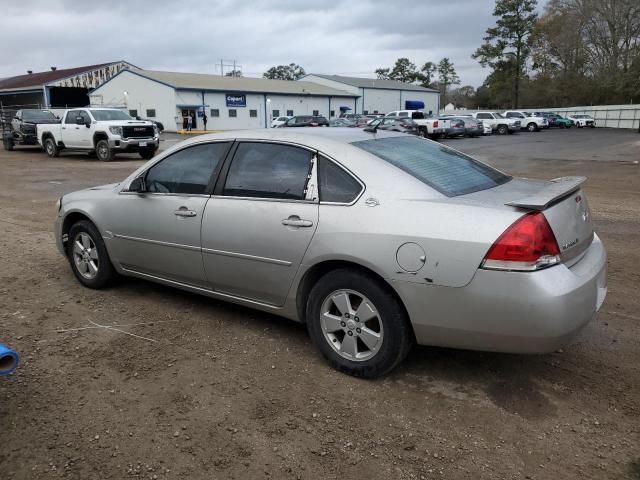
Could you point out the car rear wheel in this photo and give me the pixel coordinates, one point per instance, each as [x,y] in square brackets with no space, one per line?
[532,127]
[103,151]
[358,324]
[88,256]
[8,144]
[502,129]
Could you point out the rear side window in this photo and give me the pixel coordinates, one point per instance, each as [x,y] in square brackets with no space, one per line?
[417,115]
[188,171]
[336,185]
[267,170]
[447,171]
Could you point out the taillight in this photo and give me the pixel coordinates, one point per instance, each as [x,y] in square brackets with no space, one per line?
[528,244]
[435,124]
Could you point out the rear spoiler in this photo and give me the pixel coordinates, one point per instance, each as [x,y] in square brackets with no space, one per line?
[556,189]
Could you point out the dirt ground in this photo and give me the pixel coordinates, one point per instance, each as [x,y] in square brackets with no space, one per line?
[209,390]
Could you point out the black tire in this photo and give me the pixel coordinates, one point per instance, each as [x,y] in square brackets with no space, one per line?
[8,144]
[51,148]
[397,338]
[105,271]
[532,127]
[103,151]
[503,129]
[147,154]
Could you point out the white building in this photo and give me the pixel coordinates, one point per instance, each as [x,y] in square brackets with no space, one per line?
[381,96]
[228,102]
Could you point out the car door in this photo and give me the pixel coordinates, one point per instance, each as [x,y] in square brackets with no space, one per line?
[157,232]
[260,221]
[70,131]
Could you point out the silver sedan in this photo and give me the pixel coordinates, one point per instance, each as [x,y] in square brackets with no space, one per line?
[375,240]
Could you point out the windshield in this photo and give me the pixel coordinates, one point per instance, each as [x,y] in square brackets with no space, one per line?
[449,172]
[38,116]
[498,115]
[106,115]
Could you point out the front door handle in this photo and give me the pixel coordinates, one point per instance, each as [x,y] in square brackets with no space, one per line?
[185,212]
[296,221]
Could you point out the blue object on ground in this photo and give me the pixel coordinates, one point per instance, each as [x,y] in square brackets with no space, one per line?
[9,360]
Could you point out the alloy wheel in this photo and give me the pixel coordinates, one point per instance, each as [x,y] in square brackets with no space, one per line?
[85,256]
[352,325]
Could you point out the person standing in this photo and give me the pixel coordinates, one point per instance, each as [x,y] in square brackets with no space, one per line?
[189,120]
[204,121]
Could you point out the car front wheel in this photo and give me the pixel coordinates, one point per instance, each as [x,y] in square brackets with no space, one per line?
[103,151]
[88,256]
[532,127]
[358,324]
[502,129]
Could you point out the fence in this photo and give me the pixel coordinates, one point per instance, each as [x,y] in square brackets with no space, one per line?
[611,116]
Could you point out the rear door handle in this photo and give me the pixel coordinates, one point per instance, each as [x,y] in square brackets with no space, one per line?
[296,221]
[185,212]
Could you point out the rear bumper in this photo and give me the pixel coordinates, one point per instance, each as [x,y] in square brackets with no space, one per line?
[134,144]
[516,312]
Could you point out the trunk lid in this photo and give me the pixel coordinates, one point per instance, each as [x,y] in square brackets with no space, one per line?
[562,201]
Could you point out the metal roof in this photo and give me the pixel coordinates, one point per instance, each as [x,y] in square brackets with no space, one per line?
[373,83]
[201,81]
[39,79]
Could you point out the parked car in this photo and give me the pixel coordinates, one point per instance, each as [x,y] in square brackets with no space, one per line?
[580,120]
[498,122]
[19,126]
[158,124]
[395,124]
[105,131]
[373,241]
[427,126]
[559,121]
[277,121]
[342,122]
[305,121]
[482,128]
[529,121]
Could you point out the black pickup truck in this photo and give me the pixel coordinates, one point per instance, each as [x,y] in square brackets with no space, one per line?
[19,126]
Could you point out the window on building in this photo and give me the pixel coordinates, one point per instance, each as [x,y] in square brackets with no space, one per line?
[289,113]
[215,112]
[332,113]
[133,113]
[266,170]
[316,113]
[336,185]
[275,113]
[253,113]
[366,112]
[233,113]
[187,171]
[151,112]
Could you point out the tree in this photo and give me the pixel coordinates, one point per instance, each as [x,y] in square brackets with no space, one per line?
[446,76]
[508,39]
[382,73]
[233,73]
[427,74]
[285,72]
[403,71]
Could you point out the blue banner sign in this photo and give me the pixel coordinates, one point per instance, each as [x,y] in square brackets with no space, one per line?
[236,100]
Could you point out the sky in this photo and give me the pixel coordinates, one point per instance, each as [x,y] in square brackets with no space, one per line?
[341,37]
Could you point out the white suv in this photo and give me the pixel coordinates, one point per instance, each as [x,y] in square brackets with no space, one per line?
[529,121]
[498,122]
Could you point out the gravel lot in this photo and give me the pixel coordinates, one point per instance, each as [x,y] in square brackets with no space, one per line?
[210,390]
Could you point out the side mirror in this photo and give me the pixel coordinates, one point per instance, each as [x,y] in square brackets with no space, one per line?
[137,185]
[88,124]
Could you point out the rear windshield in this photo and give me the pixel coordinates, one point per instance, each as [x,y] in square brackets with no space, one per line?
[449,172]
[37,115]
[106,115]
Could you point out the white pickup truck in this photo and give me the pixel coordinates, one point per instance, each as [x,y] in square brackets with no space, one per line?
[429,127]
[105,131]
[498,122]
[529,121]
